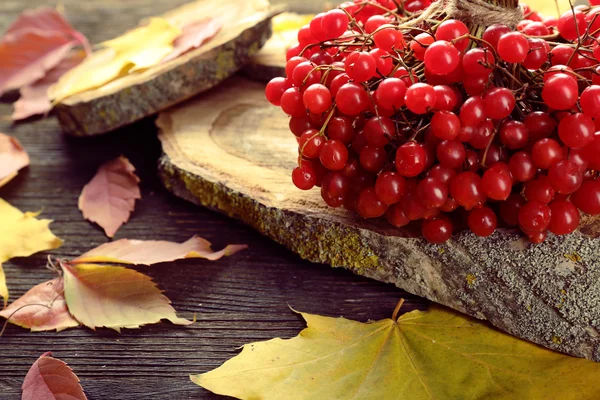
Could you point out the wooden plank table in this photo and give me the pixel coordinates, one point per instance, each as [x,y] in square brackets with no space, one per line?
[238,300]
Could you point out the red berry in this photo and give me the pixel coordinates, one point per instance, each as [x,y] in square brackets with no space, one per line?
[352,99]
[466,189]
[540,125]
[396,216]
[390,187]
[587,198]
[373,158]
[451,153]
[498,103]
[446,98]
[420,97]
[576,130]
[390,93]
[493,34]
[340,128]
[482,221]
[305,74]
[304,177]
[275,89]
[564,217]
[513,47]
[317,98]
[521,166]
[378,130]
[311,142]
[360,66]
[445,125]
[509,209]
[540,189]
[410,159]
[369,205]
[546,152]
[478,62]
[534,217]
[514,134]
[538,54]
[420,43]
[441,58]
[566,176]
[291,103]
[497,182]
[334,23]
[437,230]
[389,38]
[453,29]
[333,155]
[432,192]
[561,92]
[472,112]
[590,100]
[572,25]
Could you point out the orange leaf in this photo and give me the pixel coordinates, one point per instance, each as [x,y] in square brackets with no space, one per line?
[193,36]
[109,198]
[42,308]
[148,252]
[12,158]
[34,97]
[51,379]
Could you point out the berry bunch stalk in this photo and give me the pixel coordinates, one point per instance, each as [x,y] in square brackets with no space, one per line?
[422,113]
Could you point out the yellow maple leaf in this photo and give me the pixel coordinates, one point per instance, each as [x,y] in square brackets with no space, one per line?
[437,354]
[22,235]
[548,7]
[114,297]
[137,49]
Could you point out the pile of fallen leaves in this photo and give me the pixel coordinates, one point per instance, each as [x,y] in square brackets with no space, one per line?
[46,59]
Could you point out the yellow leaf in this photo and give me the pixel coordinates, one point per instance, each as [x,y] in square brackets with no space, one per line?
[548,7]
[137,49]
[21,235]
[114,297]
[3,287]
[437,354]
[290,21]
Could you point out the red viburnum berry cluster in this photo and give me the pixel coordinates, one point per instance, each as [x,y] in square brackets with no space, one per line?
[424,119]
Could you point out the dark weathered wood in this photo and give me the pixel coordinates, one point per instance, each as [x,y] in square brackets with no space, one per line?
[238,299]
[231,150]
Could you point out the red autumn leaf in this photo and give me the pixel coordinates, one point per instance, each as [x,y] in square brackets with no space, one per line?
[12,158]
[193,36]
[51,379]
[148,252]
[34,97]
[42,308]
[33,45]
[27,56]
[109,198]
[46,19]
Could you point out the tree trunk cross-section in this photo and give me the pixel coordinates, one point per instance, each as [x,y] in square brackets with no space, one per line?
[246,27]
[232,151]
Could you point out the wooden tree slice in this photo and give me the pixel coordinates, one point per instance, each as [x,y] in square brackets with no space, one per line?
[246,27]
[232,151]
